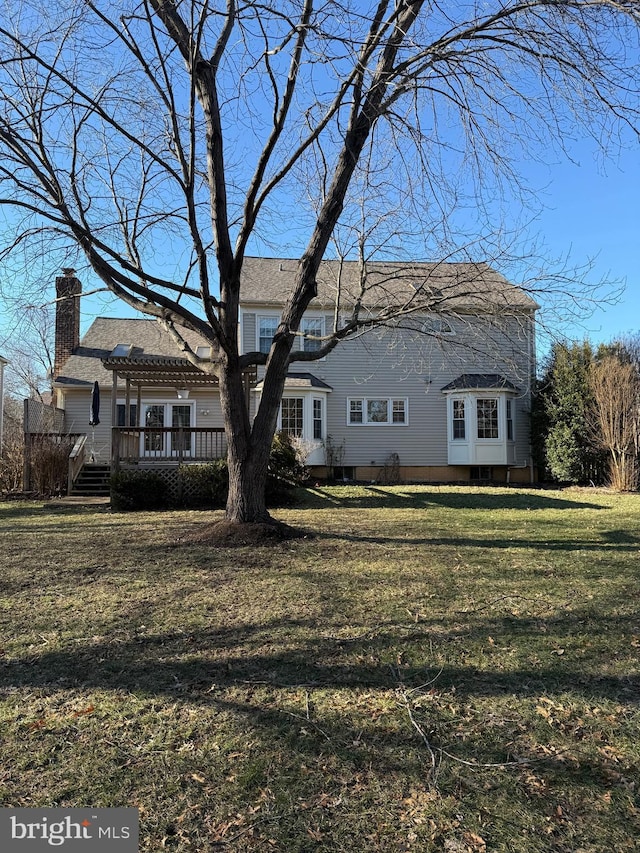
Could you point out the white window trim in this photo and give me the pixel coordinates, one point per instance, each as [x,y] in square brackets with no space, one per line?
[308,396]
[470,399]
[389,422]
[501,421]
[259,318]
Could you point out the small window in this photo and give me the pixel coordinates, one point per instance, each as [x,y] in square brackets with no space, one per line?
[355,411]
[133,414]
[203,352]
[437,326]
[317,420]
[292,416]
[459,429]
[487,410]
[509,420]
[399,413]
[481,472]
[268,327]
[121,350]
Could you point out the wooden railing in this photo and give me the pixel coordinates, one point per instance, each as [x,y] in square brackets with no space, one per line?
[76,461]
[167,444]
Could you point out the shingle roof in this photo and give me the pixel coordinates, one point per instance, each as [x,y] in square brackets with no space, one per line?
[476,381]
[268,281]
[85,366]
[302,380]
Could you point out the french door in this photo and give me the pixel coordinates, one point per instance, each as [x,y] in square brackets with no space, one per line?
[159,442]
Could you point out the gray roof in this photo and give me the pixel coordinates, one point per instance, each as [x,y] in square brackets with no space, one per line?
[150,343]
[302,380]
[476,381]
[268,281]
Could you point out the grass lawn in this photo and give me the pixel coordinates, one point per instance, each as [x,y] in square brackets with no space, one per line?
[436,669]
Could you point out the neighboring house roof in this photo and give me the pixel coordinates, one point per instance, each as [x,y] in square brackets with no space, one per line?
[445,286]
[480,381]
[149,343]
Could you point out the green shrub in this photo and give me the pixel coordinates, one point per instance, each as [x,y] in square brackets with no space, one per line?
[205,485]
[285,471]
[131,490]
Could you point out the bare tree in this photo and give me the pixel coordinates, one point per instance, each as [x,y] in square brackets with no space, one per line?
[29,347]
[204,127]
[615,385]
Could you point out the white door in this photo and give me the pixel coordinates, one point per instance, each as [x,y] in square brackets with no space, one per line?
[162,444]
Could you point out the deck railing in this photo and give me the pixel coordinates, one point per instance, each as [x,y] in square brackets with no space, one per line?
[76,461]
[167,444]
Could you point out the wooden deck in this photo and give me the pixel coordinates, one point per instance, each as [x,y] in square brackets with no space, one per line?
[137,445]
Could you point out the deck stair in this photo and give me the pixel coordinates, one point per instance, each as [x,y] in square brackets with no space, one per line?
[92,481]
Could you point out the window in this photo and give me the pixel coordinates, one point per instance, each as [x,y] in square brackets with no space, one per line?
[487,410]
[355,412]
[291,416]
[203,352]
[267,329]
[180,420]
[398,409]
[121,350]
[509,420]
[437,326]
[133,415]
[317,420]
[377,411]
[312,328]
[458,420]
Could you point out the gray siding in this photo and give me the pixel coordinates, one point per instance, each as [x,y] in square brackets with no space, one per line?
[77,403]
[404,365]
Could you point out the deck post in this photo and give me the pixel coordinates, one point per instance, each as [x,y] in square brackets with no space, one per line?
[115,436]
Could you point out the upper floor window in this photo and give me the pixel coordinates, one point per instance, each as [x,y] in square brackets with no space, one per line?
[437,325]
[364,410]
[312,330]
[267,329]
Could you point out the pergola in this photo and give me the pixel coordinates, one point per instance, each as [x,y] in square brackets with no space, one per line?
[139,372]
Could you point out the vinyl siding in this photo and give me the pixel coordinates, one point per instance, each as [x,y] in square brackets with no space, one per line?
[408,365]
[77,403]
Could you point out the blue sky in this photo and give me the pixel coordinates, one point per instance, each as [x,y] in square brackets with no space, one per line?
[592,213]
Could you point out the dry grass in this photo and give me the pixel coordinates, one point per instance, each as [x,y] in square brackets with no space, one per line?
[435,669]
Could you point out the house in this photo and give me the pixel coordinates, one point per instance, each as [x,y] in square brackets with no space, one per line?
[443,396]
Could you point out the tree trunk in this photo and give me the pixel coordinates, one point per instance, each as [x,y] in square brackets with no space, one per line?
[247,486]
[248,448]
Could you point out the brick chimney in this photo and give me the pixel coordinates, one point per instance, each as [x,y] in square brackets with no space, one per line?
[68,289]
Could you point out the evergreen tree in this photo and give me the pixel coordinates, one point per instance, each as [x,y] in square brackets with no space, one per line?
[565,416]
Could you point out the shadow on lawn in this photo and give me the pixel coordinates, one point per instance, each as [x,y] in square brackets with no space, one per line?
[620,541]
[378,498]
[190,663]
